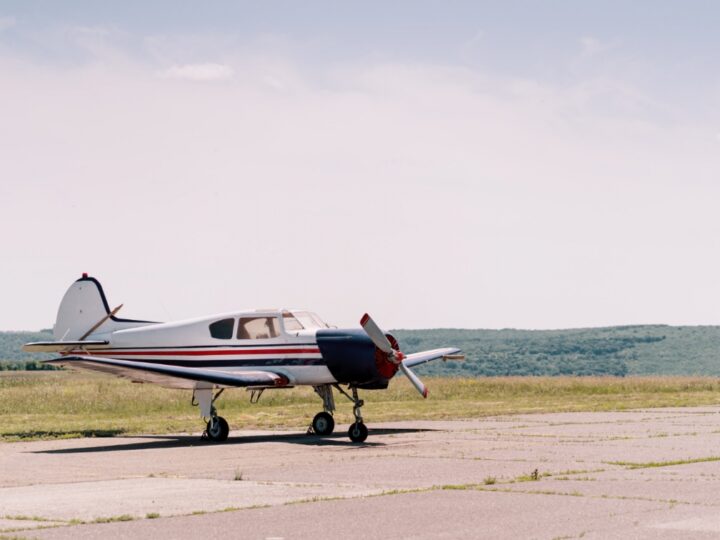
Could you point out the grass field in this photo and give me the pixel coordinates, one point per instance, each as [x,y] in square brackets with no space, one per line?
[70,404]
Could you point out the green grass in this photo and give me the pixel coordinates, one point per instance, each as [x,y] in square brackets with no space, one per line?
[533,476]
[26,518]
[654,464]
[112,519]
[62,404]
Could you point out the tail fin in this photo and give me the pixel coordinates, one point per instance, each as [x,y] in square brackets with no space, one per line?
[82,307]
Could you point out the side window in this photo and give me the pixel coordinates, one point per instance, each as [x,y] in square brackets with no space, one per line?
[257,328]
[222,329]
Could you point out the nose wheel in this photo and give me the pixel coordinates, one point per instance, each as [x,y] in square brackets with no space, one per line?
[358,432]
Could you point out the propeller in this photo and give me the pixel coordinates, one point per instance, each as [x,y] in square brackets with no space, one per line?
[381,341]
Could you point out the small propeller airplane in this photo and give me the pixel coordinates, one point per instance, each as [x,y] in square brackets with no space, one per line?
[258,350]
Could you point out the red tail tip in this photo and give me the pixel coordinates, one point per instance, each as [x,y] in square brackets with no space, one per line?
[425,393]
[364,319]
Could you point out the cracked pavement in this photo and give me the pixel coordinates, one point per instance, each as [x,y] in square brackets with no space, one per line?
[644,473]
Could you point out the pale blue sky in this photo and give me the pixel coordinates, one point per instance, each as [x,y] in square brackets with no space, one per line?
[525,164]
[522,38]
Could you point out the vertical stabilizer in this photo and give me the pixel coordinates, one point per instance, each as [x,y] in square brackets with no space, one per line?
[82,307]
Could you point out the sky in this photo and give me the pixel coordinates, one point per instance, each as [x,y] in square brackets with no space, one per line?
[515,164]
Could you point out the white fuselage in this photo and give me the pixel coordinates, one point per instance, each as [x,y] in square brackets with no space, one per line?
[270,340]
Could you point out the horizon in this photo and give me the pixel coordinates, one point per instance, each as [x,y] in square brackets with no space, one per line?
[49,329]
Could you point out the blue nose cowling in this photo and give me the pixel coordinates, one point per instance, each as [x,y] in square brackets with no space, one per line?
[350,357]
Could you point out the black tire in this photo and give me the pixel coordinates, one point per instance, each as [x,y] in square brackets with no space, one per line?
[358,432]
[218,430]
[323,423]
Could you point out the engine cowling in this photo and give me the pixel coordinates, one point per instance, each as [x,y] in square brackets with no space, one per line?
[353,358]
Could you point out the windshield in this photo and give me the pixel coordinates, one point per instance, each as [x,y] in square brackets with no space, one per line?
[302,320]
[309,319]
[291,323]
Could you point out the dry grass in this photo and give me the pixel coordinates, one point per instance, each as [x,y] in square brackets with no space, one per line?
[72,404]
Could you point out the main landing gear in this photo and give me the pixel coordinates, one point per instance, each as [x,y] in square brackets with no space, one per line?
[217,428]
[323,423]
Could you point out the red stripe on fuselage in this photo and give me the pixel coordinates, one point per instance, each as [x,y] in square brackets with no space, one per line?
[186,352]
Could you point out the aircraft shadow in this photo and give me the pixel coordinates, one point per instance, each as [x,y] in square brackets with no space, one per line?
[29,436]
[158,442]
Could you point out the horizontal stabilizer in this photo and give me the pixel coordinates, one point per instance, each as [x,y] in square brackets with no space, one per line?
[59,346]
[415,359]
[172,376]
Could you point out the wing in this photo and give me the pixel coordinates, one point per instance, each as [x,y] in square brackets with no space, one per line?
[415,359]
[172,376]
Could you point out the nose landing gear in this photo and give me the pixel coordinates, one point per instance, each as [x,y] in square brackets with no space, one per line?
[358,431]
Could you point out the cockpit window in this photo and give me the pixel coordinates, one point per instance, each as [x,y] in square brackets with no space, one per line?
[318,320]
[258,328]
[222,329]
[309,319]
[291,323]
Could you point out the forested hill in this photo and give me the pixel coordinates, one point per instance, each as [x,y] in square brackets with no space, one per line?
[620,350]
[12,357]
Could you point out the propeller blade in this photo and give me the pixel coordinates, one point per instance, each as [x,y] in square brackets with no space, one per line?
[376,335]
[417,383]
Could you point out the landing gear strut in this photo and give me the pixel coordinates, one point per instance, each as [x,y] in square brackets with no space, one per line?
[358,431]
[217,428]
[324,423]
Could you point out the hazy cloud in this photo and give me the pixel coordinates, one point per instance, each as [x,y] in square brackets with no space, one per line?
[200,72]
[427,193]
[7,22]
[543,209]
[471,45]
[591,46]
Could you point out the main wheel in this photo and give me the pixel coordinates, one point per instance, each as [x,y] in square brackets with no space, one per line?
[358,432]
[323,423]
[217,429]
